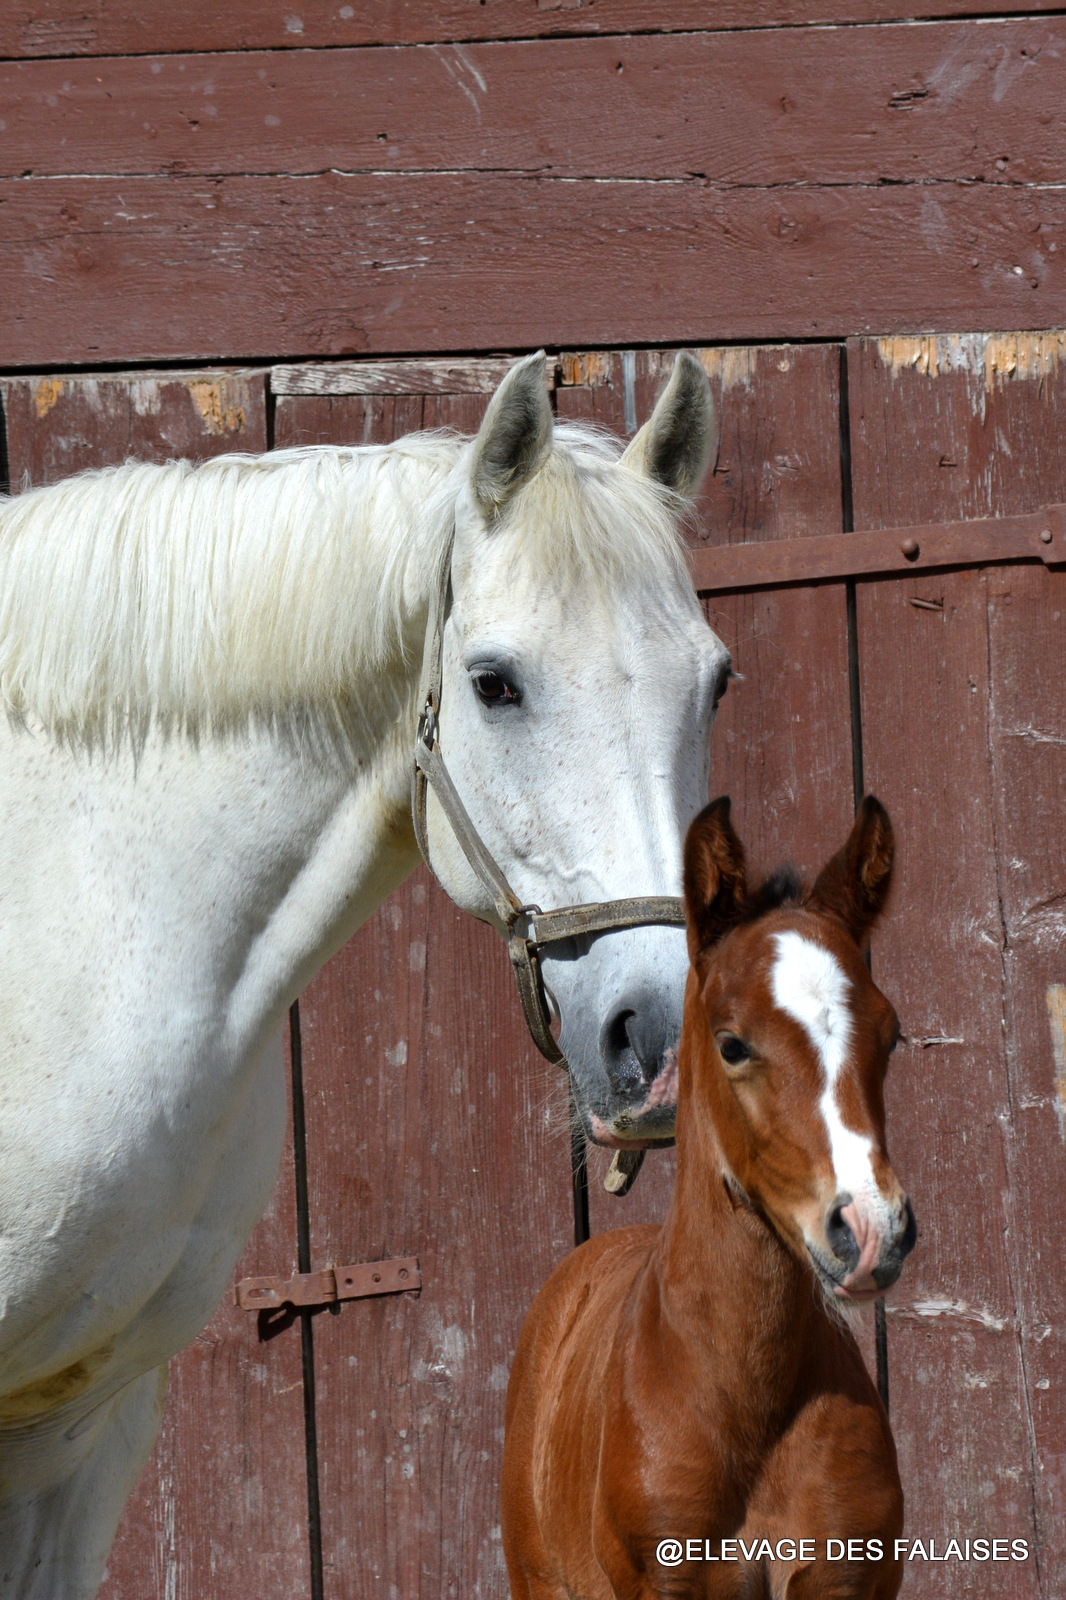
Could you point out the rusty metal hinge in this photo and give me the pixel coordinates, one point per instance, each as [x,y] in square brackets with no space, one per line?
[1034,536]
[327,1287]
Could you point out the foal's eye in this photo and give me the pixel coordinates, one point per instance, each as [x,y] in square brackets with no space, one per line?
[732,1050]
[494,690]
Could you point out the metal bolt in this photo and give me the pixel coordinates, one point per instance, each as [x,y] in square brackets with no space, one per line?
[403,1272]
[1046,535]
[910,548]
[376,1276]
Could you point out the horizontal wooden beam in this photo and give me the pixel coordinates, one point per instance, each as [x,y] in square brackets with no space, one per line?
[1036,536]
[460,375]
[35,28]
[958,102]
[136,269]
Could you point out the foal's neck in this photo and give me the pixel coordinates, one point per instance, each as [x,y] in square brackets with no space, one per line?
[747,1310]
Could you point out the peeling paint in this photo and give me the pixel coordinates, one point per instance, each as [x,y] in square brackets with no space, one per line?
[146,397]
[590,370]
[46,395]
[997,357]
[733,366]
[1056,1010]
[955,1309]
[217,402]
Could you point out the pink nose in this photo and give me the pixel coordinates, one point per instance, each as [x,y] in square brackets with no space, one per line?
[860,1280]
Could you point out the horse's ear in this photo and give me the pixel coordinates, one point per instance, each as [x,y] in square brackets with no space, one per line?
[716,892]
[676,443]
[514,438]
[854,885]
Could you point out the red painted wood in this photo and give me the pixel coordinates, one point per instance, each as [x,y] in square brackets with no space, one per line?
[99,27]
[221,1508]
[956,692]
[146,268]
[782,744]
[434,1129]
[1027,724]
[958,101]
[59,425]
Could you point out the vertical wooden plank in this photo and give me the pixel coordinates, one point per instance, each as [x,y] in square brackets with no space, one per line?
[221,1508]
[782,744]
[57,425]
[344,419]
[222,1505]
[1027,726]
[434,1129]
[960,719]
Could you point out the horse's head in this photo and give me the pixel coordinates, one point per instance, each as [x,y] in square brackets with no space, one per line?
[578,688]
[785,1047]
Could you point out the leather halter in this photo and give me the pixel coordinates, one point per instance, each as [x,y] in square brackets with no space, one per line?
[528,927]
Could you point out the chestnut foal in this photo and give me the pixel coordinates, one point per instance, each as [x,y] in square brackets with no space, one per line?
[698,1381]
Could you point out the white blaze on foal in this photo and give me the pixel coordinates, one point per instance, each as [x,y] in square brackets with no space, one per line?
[809,985]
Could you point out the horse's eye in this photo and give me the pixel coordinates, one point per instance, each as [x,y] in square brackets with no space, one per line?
[494,690]
[733,1050]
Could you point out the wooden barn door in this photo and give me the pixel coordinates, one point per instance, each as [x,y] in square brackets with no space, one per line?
[945,694]
[434,1128]
[356,1452]
[964,738]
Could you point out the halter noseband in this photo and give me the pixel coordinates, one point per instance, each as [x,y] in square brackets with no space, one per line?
[528,927]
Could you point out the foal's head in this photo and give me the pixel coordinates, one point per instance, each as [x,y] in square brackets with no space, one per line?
[785,1047]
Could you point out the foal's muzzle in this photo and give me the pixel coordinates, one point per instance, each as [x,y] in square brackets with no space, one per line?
[865,1259]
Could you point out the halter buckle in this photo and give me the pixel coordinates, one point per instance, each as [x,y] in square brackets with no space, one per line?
[427,725]
[524,915]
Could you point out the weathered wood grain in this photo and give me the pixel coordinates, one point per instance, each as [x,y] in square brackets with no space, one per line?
[782,744]
[221,1507]
[31,28]
[1027,725]
[955,686]
[146,268]
[954,102]
[430,1132]
[59,425]
[434,1129]
[459,375]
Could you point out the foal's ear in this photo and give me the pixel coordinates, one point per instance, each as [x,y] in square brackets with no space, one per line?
[715,882]
[676,443]
[854,885]
[514,438]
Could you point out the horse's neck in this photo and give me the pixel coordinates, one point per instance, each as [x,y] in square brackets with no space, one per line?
[745,1308]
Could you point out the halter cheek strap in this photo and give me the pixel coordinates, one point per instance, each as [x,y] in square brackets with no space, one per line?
[529,928]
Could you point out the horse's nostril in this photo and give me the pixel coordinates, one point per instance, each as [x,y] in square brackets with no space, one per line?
[616,1037]
[633,1041]
[910,1231]
[842,1241]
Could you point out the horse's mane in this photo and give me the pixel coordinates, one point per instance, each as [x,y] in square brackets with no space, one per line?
[253,586]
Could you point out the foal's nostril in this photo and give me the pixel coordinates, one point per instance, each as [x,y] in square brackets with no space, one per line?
[842,1241]
[909,1237]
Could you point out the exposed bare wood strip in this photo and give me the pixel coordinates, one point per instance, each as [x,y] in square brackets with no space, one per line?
[469,375]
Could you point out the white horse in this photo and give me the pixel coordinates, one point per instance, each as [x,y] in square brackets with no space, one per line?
[209,675]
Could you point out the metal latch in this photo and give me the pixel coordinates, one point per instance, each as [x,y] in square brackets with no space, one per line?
[333,1284]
